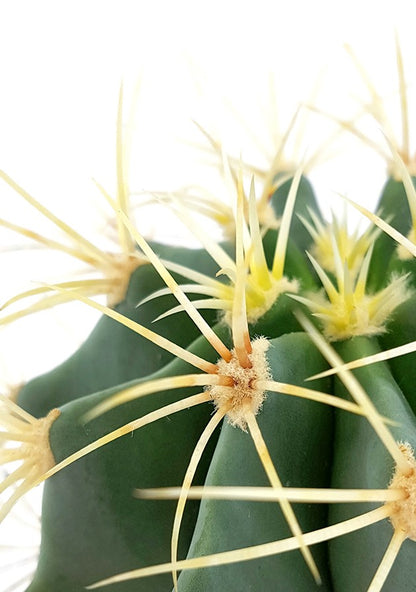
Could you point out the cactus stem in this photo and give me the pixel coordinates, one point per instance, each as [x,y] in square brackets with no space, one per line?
[357,392]
[126,429]
[275,482]
[254,552]
[187,481]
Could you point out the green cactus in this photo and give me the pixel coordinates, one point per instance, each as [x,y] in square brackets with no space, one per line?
[266,444]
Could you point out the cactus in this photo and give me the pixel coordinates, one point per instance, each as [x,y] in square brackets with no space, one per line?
[260,435]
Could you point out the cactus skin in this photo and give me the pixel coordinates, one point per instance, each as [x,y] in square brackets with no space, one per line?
[113,354]
[94,528]
[367,465]
[91,500]
[114,517]
[226,525]
[392,206]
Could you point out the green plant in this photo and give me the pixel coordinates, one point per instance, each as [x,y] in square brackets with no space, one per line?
[253,446]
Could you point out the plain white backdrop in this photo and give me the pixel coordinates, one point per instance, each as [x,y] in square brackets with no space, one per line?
[61,65]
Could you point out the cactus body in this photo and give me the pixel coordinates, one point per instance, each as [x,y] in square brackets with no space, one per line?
[201,452]
[368,465]
[226,525]
[113,354]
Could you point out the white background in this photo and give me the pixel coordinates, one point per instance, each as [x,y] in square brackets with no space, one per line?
[61,64]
